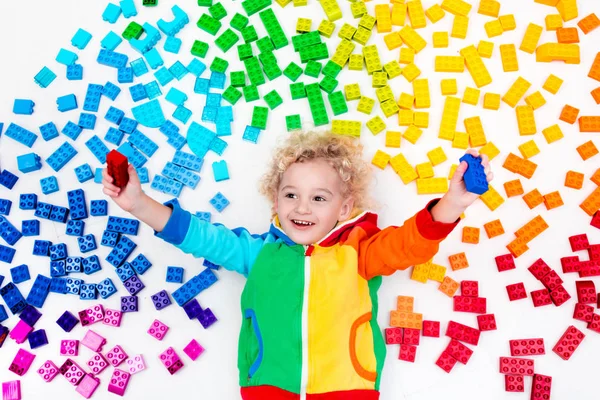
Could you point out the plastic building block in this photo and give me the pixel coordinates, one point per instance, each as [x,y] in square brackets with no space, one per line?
[158,329]
[20,274]
[66,57]
[446,362]
[516,291]
[569,114]
[175,274]
[588,23]
[463,333]
[171,360]
[118,382]
[475,181]
[24,107]
[21,135]
[20,365]
[44,78]
[129,304]
[111,13]
[92,97]
[48,371]
[486,322]
[459,351]
[74,72]
[111,41]
[37,339]
[112,59]
[135,364]
[568,343]
[8,232]
[20,331]
[112,318]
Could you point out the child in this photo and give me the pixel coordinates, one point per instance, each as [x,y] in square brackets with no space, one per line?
[309,306]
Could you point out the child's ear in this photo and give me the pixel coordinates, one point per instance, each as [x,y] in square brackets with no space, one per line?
[346,210]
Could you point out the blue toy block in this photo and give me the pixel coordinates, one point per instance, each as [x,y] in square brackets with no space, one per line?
[152,90]
[111,41]
[114,136]
[125,226]
[140,264]
[73,286]
[125,272]
[29,162]
[219,202]
[187,160]
[81,39]
[223,129]
[71,130]
[133,155]
[172,44]
[58,252]
[152,36]
[9,232]
[220,170]
[43,210]
[58,285]
[8,179]
[59,214]
[61,156]
[87,291]
[87,243]
[98,175]
[182,114]
[475,179]
[73,265]
[143,175]
[143,143]
[163,76]
[23,107]
[125,75]
[75,227]
[121,251]
[91,264]
[30,227]
[128,8]
[210,265]
[58,268]
[92,97]
[49,185]
[20,274]
[30,315]
[209,114]
[48,131]
[67,321]
[87,121]
[225,113]
[213,100]
[149,114]
[180,19]
[98,208]
[166,185]
[161,300]
[13,298]
[175,274]
[128,125]
[111,13]
[138,92]
[196,67]
[251,134]
[194,286]
[98,148]
[1,280]
[39,291]
[37,339]
[21,135]
[77,205]
[106,288]
[66,103]
[177,141]
[44,78]
[5,206]
[114,115]
[84,173]
[111,90]
[176,97]
[66,57]
[201,86]
[133,285]
[153,58]
[3,316]
[217,80]
[75,72]
[41,248]
[27,201]
[139,67]
[169,129]
[180,174]
[6,254]
[178,70]
[203,215]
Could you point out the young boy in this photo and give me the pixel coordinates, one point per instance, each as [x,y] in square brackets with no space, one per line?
[309,306]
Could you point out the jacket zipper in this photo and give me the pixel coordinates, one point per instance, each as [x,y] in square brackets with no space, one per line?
[304,375]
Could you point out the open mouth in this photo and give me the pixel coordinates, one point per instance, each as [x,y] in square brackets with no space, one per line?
[301,223]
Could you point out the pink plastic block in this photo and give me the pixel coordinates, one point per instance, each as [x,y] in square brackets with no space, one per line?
[516,291]
[393,335]
[431,328]
[93,341]
[463,333]
[469,288]
[407,353]
[459,351]
[516,366]
[586,292]
[194,349]
[116,356]
[112,317]
[88,386]
[20,331]
[579,242]
[487,322]
[568,343]
[91,315]
[48,371]
[72,372]
[559,295]
[541,387]
[526,347]
[171,360]
[118,382]
[135,364]
[97,364]
[11,390]
[158,329]
[514,383]
[411,336]
[570,264]
[21,363]
[69,348]
[446,362]
[541,298]
[583,312]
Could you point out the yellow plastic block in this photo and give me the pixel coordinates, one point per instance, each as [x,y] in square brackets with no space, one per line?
[424,170]
[448,87]
[356,62]
[437,156]
[385,92]
[456,7]
[449,64]
[392,138]
[493,28]
[416,14]
[411,72]
[421,119]
[342,52]
[405,171]
[475,131]
[367,21]
[471,96]
[491,8]
[508,53]
[490,150]
[380,159]
[392,69]
[358,9]
[303,25]
[567,52]
[412,39]
[365,105]
[553,84]
[531,38]
[529,149]
[383,17]
[535,100]
[352,91]
[421,93]
[547,2]
[432,186]
[485,48]
[392,40]
[332,9]
[283,3]
[300,3]
[449,118]
[389,108]
[342,127]
[379,79]
[326,28]
[460,26]
[362,35]
[492,199]
[476,67]
[491,101]
[435,13]
[405,117]
[412,134]
[526,120]
[347,32]
[440,39]
[553,22]
[398,14]
[452,170]
[372,60]
[437,272]
[567,9]
[406,101]
[516,92]
[508,22]
[407,56]
[552,133]
[376,125]
[461,140]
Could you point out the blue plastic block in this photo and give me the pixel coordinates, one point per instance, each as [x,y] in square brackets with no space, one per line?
[128,125]
[180,174]
[133,285]
[114,115]
[87,121]
[176,97]
[30,227]
[213,99]
[143,175]
[1,280]
[91,264]
[9,232]
[251,134]
[59,214]
[163,76]
[143,143]
[196,67]
[98,148]
[194,286]
[58,268]
[133,155]
[175,274]
[172,203]
[6,254]
[13,298]
[5,206]
[220,170]
[73,286]
[92,97]
[177,141]
[125,226]
[225,113]
[140,264]
[98,175]
[23,106]
[201,86]
[3,317]
[44,78]
[81,39]
[111,41]
[153,58]
[182,114]
[187,160]
[58,251]
[152,36]
[27,201]
[61,156]
[178,70]
[111,13]
[71,130]
[58,285]
[166,185]
[66,57]
[223,128]
[172,44]
[43,210]
[128,8]
[87,291]
[152,90]
[139,67]
[475,179]
[20,134]
[84,173]
[114,136]
[41,248]
[125,75]
[217,80]
[125,272]
[149,114]
[67,321]
[138,92]
[219,202]
[121,251]
[37,339]
[209,114]
[66,103]
[169,129]
[111,90]
[180,19]
[20,274]
[29,162]
[75,227]
[75,72]
[30,315]
[39,291]
[49,185]
[73,265]
[210,265]
[106,288]
[98,208]
[48,131]
[77,205]
[87,243]
[203,215]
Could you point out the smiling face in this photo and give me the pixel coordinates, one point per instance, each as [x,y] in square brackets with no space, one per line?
[310,202]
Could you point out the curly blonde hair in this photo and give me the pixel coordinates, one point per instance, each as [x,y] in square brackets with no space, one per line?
[343,153]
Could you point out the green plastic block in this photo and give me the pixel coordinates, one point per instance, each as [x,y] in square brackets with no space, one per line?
[200,48]
[273,99]
[231,95]
[238,22]
[244,51]
[293,71]
[260,116]
[293,122]
[270,67]
[217,11]
[305,39]
[204,3]
[274,29]
[249,34]
[238,78]
[316,104]
[331,69]
[338,103]
[253,6]
[250,93]
[328,84]
[227,40]
[150,3]
[297,90]
[219,65]
[265,45]
[314,52]
[313,68]
[209,24]
[254,71]
[133,30]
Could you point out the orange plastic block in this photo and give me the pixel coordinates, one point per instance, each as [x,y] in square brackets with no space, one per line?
[574,180]
[400,319]
[596,95]
[567,35]
[470,235]
[532,229]
[595,68]
[493,228]
[589,23]
[533,199]
[405,303]
[569,114]
[458,261]
[587,150]
[592,203]
[519,165]
[517,247]
[449,286]
[596,177]
[513,188]
[553,200]
[589,124]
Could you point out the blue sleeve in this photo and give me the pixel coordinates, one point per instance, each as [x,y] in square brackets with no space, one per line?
[233,250]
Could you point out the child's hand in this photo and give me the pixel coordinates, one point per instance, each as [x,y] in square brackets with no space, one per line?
[129,197]
[457,192]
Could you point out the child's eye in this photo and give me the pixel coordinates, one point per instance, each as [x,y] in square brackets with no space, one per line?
[290,196]
[320,198]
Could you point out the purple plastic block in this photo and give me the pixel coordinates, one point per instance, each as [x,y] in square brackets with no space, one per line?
[158,329]
[87,386]
[20,332]
[116,356]
[133,285]
[129,304]
[72,372]
[161,300]
[118,382]
[48,371]
[97,363]
[21,363]
[11,390]
[91,315]
[30,315]
[193,350]
[37,339]
[171,360]
[69,348]
[192,309]
[93,341]
[112,317]
[67,321]
[135,364]
[207,318]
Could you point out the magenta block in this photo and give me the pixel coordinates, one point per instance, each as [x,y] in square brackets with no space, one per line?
[72,372]
[91,315]
[11,390]
[48,371]
[97,364]
[69,348]
[171,360]
[20,332]
[193,350]
[158,329]
[88,386]
[135,364]
[116,356]
[93,341]
[112,317]
[118,382]
[21,363]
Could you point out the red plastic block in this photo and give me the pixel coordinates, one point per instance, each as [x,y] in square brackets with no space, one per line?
[505,262]
[459,351]
[431,328]
[516,291]
[541,387]
[541,298]
[568,343]
[594,325]
[579,242]
[463,333]
[407,352]
[487,322]
[570,264]
[594,252]
[516,366]
[559,296]
[514,383]
[446,362]
[116,165]
[595,222]
[539,269]
[598,303]
[393,335]
[475,305]
[589,268]
[411,336]
[551,280]
[583,312]
[527,347]
[469,288]
[586,292]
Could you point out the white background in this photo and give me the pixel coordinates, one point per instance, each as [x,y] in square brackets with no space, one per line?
[31,34]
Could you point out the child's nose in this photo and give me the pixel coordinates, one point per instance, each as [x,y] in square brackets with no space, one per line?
[303,207]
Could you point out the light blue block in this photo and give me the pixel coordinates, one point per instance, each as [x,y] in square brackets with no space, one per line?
[44,78]
[172,44]
[182,114]
[153,58]
[196,67]
[176,97]
[111,41]
[220,171]
[128,8]
[66,57]
[139,67]
[111,13]
[81,39]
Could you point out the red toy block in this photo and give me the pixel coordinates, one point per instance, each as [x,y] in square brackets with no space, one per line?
[551,280]
[559,295]
[505,262]
[475,305]
[595,222]
[541,387]
[463,333]
[407,352]
[446,362]
[459,351]
[516,366]
[570,264]
[586,292]
[541,298]
[594,252]
[393,335]
[594,325]
[516,291]
[431,328]
[412,336]
[583,312]
[539,269]
[589,268]
[598,303]
[514,383]
[116,165]
[469,288]
[579,242]
[568,343]
[527,347]
[487,322]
